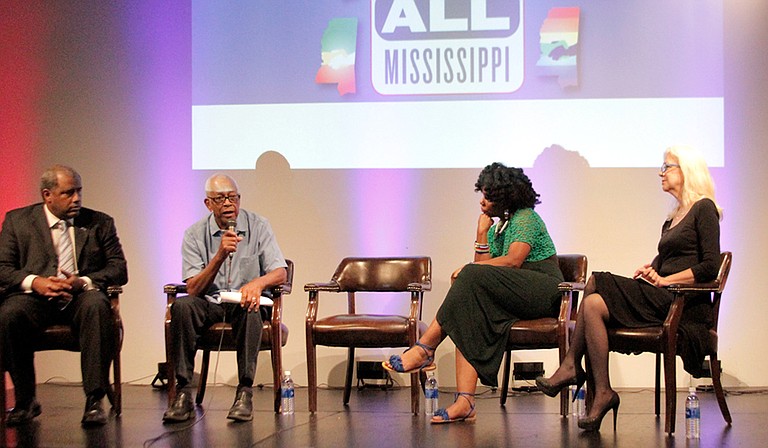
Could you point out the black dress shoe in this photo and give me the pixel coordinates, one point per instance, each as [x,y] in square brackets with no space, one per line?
[94,413]
[24,414]
[242,408]
[181,409]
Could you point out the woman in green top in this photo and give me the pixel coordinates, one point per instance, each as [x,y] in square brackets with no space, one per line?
[514,276]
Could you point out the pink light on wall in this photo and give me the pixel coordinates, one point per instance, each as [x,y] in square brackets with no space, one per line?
[383,208]
[24,31]
[382,204]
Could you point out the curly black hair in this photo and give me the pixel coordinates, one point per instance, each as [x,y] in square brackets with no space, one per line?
[507,187]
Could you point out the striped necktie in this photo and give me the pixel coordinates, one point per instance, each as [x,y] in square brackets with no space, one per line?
[66,253]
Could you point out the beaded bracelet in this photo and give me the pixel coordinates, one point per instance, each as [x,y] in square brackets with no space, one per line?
[479,246]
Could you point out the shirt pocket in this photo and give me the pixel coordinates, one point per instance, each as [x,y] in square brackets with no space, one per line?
[249,268]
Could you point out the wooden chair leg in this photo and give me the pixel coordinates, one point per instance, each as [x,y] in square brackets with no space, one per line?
[505,379]
[117,404]
[565,393]
[670,385]
[117,388]
[170,371]
[2,400]
[203,377]
[565,401]
[348,377]
[312,376]
[714,366]
[415,392]
[170,367]
[277,373]
[657,384]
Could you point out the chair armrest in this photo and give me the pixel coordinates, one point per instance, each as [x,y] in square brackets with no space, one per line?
[172,290]
[672,322]
[330,287]
[568,291]
[417,287]
[570,286]
[314,296]
[113,294]
[175,288]
[283,289]
[695,287]
[675,313]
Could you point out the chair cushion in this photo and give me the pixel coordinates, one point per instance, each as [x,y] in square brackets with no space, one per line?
[58,337]
[636,340]
[363,330]
[533,334]
[210,338]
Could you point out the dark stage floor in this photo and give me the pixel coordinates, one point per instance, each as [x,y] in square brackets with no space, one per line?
[379,418]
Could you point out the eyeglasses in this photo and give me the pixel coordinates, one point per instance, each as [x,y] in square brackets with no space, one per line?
[218,200]
[666,166]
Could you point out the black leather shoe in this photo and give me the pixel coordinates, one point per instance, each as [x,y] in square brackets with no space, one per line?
[94,413]
[21,415]
[181,409]
[242,408]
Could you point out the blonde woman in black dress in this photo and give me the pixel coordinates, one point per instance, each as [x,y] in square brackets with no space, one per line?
[688,252]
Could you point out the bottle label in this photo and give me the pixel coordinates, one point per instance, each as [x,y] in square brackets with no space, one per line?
[692,413]
[430,393]
[288,393]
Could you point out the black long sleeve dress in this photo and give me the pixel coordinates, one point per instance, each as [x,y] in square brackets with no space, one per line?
[693,243]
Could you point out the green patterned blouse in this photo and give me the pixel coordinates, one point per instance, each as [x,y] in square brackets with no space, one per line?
[525,226]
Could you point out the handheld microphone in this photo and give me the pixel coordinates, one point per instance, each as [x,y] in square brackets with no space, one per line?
[231,225]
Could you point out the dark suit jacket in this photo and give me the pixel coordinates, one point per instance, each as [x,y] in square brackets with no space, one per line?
[26,247]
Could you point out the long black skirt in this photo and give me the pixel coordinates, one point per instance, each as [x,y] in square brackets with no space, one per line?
[636,304]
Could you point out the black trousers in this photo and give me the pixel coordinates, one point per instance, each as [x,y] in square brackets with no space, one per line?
[191,315]
[23,317]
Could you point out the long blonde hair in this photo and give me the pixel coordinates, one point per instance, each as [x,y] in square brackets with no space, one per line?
[697,181]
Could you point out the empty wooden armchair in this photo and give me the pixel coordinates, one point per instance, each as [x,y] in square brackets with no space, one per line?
[410,275]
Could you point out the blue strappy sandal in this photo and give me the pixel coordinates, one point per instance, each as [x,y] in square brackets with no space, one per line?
[470,417]
[395,363]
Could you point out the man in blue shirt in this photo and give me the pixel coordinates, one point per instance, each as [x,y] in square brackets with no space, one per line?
[229,250]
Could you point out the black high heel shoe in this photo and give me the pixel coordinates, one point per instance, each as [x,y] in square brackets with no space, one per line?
[551,389]
[593,423]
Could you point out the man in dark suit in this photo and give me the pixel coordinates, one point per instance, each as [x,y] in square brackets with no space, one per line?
[56,261]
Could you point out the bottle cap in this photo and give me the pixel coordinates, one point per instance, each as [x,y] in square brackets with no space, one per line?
[287,373]
[691,390]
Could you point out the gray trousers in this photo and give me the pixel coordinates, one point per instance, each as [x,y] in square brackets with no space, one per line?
[191,315]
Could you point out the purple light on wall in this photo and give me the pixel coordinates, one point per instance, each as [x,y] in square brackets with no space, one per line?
[383,203]
[157,35]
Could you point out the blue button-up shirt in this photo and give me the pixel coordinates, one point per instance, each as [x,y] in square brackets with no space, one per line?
[256,255]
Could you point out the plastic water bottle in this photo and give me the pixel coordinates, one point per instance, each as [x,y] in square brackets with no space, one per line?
[430,394]
[692,415]
[579,404]
[287,393]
